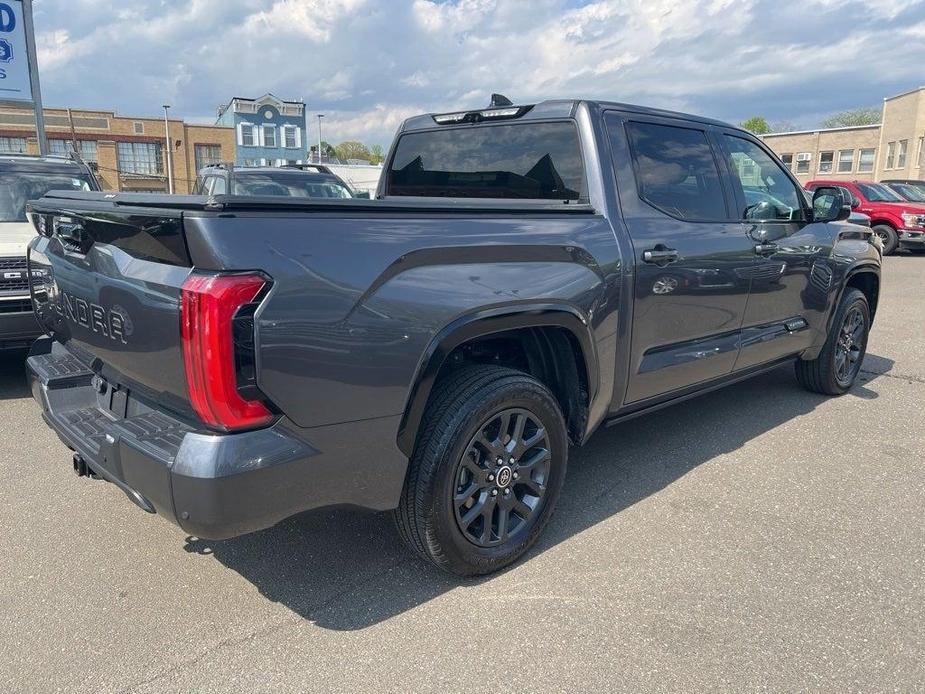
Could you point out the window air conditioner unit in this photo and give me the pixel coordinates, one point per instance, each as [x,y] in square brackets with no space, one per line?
[804,156]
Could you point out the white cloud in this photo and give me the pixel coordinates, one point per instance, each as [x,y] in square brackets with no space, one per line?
[367,64]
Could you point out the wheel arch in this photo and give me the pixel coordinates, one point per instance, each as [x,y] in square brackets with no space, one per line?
[527,322]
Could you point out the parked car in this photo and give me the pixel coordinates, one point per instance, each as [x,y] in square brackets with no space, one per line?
[22,178]
[908,190]
[436,352]
[292,180]
[898,223]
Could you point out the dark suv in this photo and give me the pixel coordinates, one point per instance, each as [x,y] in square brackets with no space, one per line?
[292,180]
[23,178]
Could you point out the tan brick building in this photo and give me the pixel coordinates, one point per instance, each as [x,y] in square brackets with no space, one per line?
[891,149]
[128,151]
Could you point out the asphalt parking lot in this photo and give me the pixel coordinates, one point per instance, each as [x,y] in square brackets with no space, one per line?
[757,538]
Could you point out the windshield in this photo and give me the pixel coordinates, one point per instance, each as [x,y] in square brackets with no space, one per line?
[875,192]
[288,185]
[17,188]
[910,193]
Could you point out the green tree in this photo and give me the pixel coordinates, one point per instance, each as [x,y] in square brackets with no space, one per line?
[351,149]
[853,118]
[377,155]
[756,124]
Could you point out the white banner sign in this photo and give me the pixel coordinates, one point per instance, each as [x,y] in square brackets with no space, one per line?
[14,61]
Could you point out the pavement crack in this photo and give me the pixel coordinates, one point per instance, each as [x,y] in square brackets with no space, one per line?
[290,619]
[902,377]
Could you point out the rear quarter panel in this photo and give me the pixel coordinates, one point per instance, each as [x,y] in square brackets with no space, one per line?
[357,301]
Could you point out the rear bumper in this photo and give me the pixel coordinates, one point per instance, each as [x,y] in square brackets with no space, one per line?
[214,486]
[17,328]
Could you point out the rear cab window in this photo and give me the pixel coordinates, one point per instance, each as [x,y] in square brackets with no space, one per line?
[526,161]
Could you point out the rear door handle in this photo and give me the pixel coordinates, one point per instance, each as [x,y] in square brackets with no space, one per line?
[766,249]
[660,255]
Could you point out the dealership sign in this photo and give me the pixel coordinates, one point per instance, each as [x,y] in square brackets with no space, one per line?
[14,58]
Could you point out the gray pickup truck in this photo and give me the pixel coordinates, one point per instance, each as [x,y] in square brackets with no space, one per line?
[527,274]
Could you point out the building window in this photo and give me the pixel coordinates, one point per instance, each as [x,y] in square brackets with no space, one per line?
[845,160]
[826,160]
[251,162]
[206,155]
[269,136]
[866,160]
[803,161]
[138,127]
[248,135]
[901,157]
[13,145]
[87,148]
[919,160]
[291,137]
[890,154]
[787,160]
[140,158]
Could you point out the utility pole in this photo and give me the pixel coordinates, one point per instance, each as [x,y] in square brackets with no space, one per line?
[320,116]
[70,118]
[169,147]
[34,77]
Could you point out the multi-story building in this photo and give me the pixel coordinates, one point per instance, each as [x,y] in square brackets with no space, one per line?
[268,130]
[891,149]
[128,151]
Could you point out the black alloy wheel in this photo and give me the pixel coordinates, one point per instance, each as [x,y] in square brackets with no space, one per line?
[501,478]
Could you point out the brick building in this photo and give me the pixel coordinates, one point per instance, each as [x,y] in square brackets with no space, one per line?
[128,151]
[890,149]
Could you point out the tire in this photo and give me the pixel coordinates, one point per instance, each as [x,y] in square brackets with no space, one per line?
[435,518]
[826,373]
[889,237]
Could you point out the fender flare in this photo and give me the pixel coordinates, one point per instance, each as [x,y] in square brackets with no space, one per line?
[480,324]
[863,267]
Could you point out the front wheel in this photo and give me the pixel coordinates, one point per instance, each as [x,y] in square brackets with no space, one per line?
[837,367]
[888,236]
[486,471]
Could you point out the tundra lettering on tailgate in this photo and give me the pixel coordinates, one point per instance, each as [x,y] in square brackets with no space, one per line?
[110,323]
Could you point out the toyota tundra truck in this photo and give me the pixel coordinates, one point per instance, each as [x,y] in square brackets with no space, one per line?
[525,275]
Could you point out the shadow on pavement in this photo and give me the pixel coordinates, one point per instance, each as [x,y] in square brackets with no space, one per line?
[345,570]
[13,382]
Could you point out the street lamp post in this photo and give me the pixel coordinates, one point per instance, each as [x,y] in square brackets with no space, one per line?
[320,116]
[169,160]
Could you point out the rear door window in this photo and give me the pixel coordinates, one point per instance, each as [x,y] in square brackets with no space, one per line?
[676,171]
[531,161]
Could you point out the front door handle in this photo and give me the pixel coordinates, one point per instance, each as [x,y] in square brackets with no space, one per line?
[766,249]
[660,255]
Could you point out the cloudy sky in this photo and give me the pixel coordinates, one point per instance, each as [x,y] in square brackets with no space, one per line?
[368,64]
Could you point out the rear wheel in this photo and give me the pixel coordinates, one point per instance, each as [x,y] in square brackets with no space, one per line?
[486,471]
[837,367]
[888,236]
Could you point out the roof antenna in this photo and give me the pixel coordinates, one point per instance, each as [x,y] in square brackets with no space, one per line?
[499,100]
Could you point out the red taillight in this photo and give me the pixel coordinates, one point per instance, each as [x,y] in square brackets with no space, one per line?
[208,304]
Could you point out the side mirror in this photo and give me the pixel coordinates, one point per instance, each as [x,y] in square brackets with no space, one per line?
[829,205]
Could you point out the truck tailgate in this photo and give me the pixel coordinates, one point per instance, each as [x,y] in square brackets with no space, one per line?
[107,286]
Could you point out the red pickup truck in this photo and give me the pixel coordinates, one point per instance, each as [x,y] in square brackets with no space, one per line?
[898,223]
